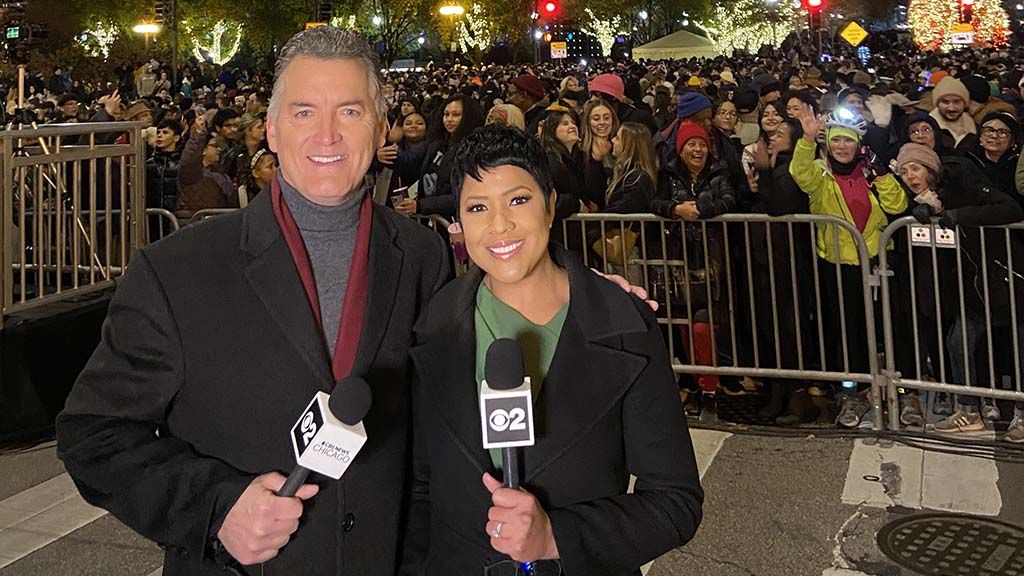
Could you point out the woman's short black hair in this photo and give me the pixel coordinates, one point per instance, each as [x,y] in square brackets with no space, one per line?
[495,145]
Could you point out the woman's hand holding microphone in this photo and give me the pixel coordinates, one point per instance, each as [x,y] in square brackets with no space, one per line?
[518,525]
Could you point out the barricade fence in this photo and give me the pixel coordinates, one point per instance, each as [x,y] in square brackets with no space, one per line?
[953,306]
[73,210]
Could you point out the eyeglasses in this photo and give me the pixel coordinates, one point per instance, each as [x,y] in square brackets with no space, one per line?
[727,113]
[921,131]
[513,568]
[995,132]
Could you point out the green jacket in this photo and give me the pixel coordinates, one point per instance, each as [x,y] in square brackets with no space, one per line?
[815,179]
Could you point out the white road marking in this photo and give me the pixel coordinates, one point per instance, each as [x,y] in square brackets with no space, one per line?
[918,479]
[706,445]
[40,515]
[157,572]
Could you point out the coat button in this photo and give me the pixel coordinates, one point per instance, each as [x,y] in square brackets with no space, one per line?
[350,521]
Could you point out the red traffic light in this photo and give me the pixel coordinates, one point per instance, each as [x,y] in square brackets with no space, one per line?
[550,7]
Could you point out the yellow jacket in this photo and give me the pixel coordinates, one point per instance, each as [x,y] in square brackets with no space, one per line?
[814,178]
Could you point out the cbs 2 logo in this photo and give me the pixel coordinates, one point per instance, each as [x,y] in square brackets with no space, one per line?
[308,428]
[502,420]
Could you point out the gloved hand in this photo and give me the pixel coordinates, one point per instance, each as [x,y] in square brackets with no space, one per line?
[948,219]
[922,213]
[881,110]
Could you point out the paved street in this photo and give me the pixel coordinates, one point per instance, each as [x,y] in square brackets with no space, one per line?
[785,506]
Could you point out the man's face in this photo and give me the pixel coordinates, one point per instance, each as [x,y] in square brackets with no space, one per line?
[326,131]
[70,109]
[951,107]
[855,102]
[211,153]
[517,98]
[229,130]
[166,139]
[922,133]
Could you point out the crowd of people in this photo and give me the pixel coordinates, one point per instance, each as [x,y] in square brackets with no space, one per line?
[784,132]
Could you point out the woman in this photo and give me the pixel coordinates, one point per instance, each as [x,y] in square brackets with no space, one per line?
[963,199]
[691,187]
[996,150]
[400,163]
[459,116]
[260,172]
[605,403]
[630,191]
[254,133]
[848,187]
[756,156]
[724,117]
[600,124]
[560,139]
[506,115]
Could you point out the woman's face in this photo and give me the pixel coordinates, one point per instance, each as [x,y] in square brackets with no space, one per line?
[695,154]
[567,133]
[794,108]
[915,177]
[843,149]
[573,84]
[258,131]
[414,128]
[264,170]
[452,116]
[996,138]
[770,119]
[601,121]
[726,116]
[617,146]
[781,139]
[407,108]
[506,223]
[922,133]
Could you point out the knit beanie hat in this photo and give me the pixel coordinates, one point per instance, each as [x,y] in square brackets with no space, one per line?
[919,154]
[746,101]
[690,103]
[977,88]
[850,133]
[609,84]
[688,131]
[531,85]
[950,86]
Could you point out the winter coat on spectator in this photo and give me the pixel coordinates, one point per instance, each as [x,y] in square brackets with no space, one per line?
[199,187]
[162,180]
[1001,172]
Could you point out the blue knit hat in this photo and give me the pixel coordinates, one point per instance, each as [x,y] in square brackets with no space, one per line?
[690,103]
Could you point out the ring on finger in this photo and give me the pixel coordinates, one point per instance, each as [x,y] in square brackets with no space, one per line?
[497,531]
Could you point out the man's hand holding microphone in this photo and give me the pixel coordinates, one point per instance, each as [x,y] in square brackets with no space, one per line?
[326,439]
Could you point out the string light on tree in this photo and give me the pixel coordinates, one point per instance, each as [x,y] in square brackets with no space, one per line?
[98,39]
[745,25]
[476,30]
[344,22]
[220,44]
[605,31]
[932,22]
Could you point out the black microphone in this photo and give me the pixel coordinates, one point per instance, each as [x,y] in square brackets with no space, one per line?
[506,406]
[329,433]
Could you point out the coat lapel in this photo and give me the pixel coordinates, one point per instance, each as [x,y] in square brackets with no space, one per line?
[274,278]
[588,373]
[446,365]
[385,273]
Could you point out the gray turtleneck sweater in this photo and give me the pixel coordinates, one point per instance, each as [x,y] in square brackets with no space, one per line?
[329,233]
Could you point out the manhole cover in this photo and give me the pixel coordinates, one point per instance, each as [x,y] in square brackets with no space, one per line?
[954,545]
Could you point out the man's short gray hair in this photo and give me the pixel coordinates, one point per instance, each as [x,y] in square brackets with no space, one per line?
[329,43]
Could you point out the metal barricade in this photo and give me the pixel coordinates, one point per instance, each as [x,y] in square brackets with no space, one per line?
[750,285]
[162,223]
[72,212]
[200,215]
[953,311]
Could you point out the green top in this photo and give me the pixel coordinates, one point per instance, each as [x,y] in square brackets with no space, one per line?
[494,319]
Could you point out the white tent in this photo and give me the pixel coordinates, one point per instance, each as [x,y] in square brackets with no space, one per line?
[676,46]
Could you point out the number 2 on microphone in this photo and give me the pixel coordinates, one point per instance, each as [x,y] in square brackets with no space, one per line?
[308,428]
[502,420]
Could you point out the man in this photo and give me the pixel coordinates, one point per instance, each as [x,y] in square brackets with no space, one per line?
[219,336]
[67,109]
[951,98]
[528,94]
[611,89]
[200,186]
[162,167]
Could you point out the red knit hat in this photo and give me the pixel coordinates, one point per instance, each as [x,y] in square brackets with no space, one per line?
[688,131]
[531,85]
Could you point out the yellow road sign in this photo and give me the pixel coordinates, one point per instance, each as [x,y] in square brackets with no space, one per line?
[854,34]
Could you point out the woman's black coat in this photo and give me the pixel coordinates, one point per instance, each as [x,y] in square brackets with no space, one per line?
[609,408]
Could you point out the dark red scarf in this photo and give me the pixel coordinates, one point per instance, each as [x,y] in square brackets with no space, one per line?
[347,344]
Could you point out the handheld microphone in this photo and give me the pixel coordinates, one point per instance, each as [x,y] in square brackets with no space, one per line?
[329,433]
[506,406]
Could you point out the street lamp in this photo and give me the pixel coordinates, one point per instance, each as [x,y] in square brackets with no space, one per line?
[146,29]
[643,14]
[453,11]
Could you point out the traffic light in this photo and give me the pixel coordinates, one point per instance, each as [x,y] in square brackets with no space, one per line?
[549,9]
[814,8]
[324,12]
